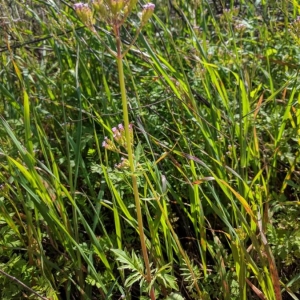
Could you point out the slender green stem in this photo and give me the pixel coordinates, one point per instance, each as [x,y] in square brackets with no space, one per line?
[133,41]
[131,160]
[77,157]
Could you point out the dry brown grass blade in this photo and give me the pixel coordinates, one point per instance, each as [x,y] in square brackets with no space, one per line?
[257,291]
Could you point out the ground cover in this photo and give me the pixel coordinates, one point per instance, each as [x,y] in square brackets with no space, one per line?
[155,157]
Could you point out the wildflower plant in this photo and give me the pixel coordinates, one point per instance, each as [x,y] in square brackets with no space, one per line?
[115,13]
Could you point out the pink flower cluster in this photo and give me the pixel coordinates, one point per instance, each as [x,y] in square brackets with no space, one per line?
[80,5]
[119,134]
[124,164]
[119,137]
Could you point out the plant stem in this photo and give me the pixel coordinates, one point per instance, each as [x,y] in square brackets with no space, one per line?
[131,161]
[12,278]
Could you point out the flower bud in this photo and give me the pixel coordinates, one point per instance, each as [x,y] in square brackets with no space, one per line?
[130,6]
[147,12]
[109,145]
[101,8]
[84,13]
[124,164]
[116,5]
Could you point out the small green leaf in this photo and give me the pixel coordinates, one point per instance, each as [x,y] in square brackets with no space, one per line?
[174,296]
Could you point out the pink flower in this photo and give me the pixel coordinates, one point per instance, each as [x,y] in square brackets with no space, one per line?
[80,5]
[149,6]
[147,12]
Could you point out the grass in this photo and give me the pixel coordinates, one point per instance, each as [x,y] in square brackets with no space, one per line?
[212,94]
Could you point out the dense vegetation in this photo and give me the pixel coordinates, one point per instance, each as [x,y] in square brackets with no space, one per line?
[207,204]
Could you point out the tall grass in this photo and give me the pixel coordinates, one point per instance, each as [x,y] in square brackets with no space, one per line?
[212,91]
